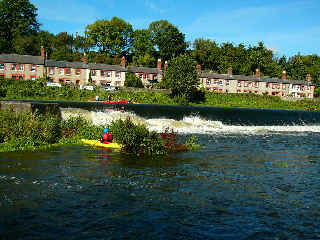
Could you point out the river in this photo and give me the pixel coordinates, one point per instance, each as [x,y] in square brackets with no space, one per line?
[247,182]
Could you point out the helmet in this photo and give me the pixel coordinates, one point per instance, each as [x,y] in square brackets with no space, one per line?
[106,130]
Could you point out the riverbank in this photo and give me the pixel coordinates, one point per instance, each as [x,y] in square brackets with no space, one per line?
[36,90]
[27,130]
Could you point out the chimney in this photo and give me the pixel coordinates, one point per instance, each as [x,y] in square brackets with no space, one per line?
[159,64]
[258,74]
[309,77]
[284,75]
[199,68]
[43,53]
[123,62]
[85,59]
[165,65]
[229,70]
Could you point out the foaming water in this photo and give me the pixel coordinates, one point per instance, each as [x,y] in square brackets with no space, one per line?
[188,125]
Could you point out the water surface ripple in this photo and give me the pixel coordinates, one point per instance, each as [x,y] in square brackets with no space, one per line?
[240,186]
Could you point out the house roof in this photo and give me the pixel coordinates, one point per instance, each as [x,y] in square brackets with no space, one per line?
[252,78]
[100,66]
[16,58]
[65,64]
[144,70]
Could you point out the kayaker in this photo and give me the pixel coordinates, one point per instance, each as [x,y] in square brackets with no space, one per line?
[106,137]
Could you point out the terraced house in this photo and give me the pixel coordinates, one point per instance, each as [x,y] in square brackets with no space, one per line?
[78,73]
[229,83]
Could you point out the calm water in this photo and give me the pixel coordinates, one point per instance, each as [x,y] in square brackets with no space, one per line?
[264,185]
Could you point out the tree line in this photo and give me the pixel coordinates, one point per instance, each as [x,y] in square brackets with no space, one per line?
[106,41]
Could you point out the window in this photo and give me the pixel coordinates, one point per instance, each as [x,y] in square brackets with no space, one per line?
[68,71]
[246,84]
[2,66]
[102,73]
[239,83]
[227,82]
[21,77]
[21,67]
[78,72]
[118,75]
[256,84]
[51,70]
[33,77]
[109,74]
[93,73]
[61,71]
[33,68]
[14,67]
[208,82]
[220,82]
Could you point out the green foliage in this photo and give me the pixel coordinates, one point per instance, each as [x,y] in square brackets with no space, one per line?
[168,39]
[136,138]
[182,77]
[192,143]
[132,80]
[114,36]
[17,18]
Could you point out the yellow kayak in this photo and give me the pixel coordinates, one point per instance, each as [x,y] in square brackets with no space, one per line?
[97,143]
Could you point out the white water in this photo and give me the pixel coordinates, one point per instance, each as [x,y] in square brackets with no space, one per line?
[188,125]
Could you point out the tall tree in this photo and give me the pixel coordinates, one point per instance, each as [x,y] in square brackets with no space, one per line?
[114,36]
[168,39]
[143,49]
[17,18]
[207,53]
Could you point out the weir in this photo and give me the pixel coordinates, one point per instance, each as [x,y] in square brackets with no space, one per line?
[225,115]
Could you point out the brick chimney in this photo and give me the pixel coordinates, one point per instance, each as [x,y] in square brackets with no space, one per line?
[309,77]
[165,65]
[123,62]
[258,73]
[199,69]
[85,59]
[159,64]
[229,71]
[284,75]
[43,53]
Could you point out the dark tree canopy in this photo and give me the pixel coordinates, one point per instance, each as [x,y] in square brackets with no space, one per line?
[18,18]
[168,39]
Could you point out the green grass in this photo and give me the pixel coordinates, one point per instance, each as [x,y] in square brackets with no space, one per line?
[36,90]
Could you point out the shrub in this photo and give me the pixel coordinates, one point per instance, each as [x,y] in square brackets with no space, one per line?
[132,80]
[136,138]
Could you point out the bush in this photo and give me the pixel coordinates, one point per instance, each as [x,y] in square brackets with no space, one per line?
[182,77]
[132,80]
[136,138]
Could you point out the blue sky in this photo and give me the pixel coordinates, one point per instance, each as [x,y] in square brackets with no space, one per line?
[288,27]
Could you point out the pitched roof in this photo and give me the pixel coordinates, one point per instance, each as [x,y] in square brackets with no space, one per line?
[251,78]
[100,66]
[144,70]
[16,58]
[65,64]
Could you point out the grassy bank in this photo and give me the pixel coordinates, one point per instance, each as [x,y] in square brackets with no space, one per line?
[36,90]
[31,131]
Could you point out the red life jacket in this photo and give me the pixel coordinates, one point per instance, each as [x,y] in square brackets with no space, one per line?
[107,137]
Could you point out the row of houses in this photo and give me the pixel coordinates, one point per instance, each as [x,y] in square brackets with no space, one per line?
[26,67]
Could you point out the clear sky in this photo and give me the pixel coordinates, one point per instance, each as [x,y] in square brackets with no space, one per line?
[288,27]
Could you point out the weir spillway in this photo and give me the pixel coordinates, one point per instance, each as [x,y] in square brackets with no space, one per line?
[226,115]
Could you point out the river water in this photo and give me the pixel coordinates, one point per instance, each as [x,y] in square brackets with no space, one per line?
[247,182]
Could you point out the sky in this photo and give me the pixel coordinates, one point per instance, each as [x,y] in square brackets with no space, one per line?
[287,27]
